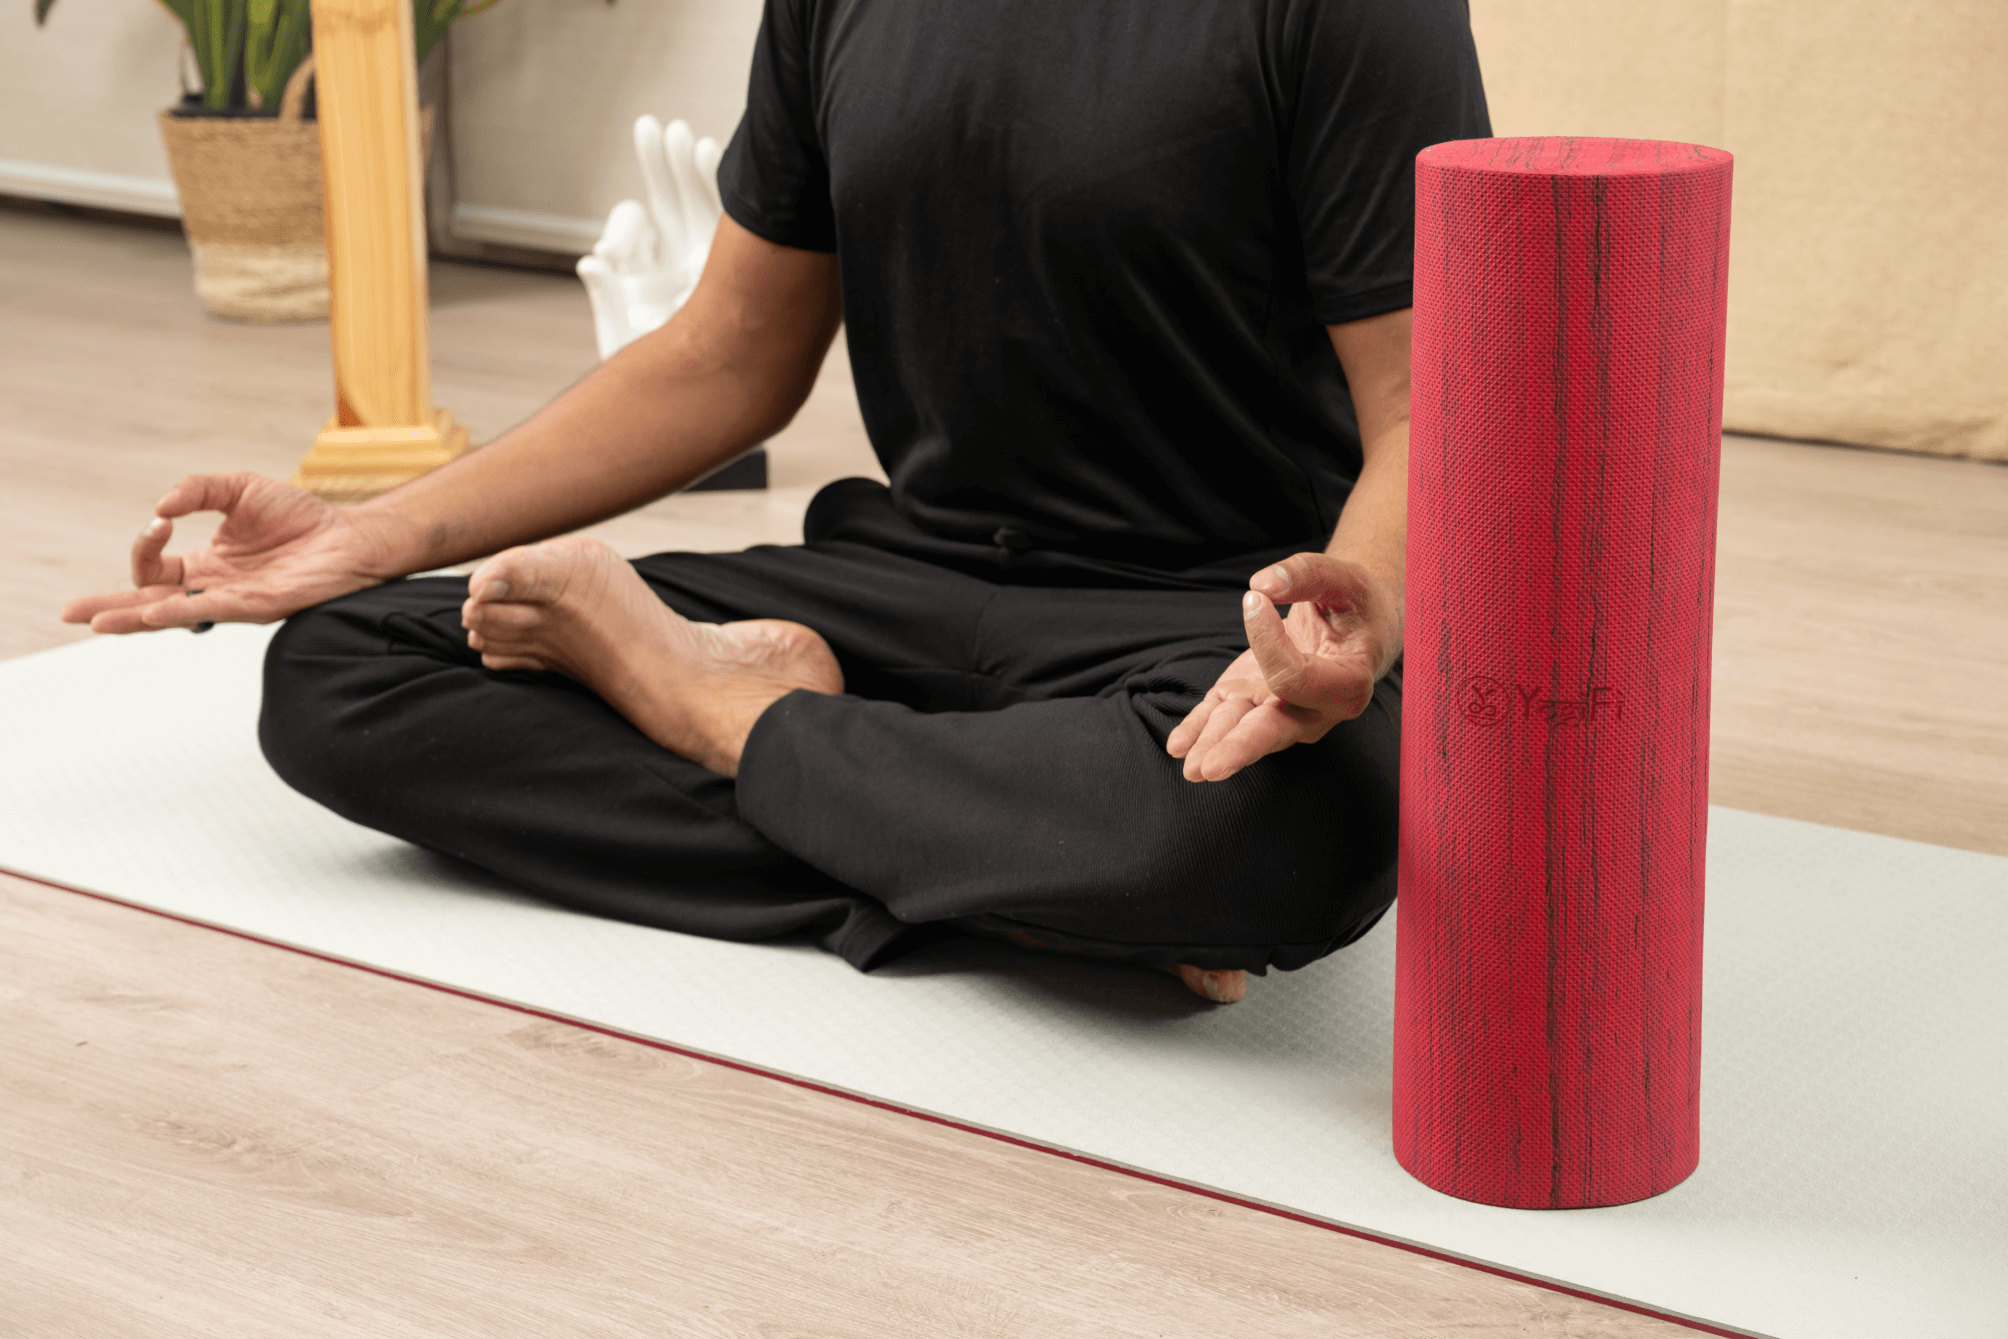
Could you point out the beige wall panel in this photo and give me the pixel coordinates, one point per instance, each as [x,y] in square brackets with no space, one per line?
[1868,297]
[545,94]
[1647,69]
[77,103]
[1869,287]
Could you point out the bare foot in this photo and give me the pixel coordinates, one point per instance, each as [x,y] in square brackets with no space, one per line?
[575,606]
[1220,986]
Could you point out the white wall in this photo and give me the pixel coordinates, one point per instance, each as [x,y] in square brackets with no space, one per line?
[77,103]
[543,95]
[545,92]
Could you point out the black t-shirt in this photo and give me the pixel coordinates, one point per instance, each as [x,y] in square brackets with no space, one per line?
[1088,250]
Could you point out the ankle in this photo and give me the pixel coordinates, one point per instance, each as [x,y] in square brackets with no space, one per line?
[728,719]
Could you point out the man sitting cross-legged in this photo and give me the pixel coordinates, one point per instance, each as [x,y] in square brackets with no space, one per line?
[1127,306]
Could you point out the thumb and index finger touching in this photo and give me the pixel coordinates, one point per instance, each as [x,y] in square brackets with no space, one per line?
[1283,663]
[158,598]
[152,565]
[1317,579]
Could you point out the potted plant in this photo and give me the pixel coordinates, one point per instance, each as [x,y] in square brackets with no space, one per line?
[246,153]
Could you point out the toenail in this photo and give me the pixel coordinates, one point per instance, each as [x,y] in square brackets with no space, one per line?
[498,590]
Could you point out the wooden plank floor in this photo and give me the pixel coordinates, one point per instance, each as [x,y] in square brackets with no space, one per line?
[200,1135]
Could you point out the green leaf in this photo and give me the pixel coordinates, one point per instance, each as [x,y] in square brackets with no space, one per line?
[218,37]
[295,38]
[277,36]
[42,10]
[428,22]
[200,12]
[260,21]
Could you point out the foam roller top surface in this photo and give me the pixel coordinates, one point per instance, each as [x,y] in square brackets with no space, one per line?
[1546,156]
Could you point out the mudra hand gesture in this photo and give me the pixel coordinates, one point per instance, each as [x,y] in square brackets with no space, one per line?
[278,550]
[1299,677]
[646,263]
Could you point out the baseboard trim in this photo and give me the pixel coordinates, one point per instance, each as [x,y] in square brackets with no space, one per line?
[157,196]
[524,228]
[103,190]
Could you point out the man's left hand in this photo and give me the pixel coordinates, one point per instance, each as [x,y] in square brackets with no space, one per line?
[1300,676]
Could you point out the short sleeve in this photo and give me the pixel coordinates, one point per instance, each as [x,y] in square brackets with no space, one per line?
[1375,84]
[774,179]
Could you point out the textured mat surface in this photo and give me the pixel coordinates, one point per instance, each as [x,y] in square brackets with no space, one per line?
[1853,1177]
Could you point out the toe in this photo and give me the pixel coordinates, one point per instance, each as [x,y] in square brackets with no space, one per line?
[501,662]
[510,620]
[494,579]
[1222,987]
[533,574]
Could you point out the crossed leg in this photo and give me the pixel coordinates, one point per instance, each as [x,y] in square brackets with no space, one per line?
[574,606]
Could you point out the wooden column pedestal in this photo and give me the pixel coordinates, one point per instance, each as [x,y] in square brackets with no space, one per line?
[354,463]
[385,429]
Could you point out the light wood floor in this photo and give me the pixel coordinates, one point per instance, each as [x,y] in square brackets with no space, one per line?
[202,1136]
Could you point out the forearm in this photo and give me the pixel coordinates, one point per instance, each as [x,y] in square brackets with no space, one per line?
[644,424]
[724,374]
[1373,530]
[1373,525]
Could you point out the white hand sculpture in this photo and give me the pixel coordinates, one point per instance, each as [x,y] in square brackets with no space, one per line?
[646,263]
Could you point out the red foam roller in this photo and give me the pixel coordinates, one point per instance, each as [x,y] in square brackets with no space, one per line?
[1563,465]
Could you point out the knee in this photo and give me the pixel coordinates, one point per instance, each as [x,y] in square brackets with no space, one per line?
[328,674]
[1327,901]
[305,664]
[1301,853]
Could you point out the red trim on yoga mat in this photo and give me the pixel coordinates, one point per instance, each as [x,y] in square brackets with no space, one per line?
[1328,1225]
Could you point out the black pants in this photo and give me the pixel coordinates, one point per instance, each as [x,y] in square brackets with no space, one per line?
[996,763]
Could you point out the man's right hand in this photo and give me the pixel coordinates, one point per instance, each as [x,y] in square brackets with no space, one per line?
[279,550]
[726,373]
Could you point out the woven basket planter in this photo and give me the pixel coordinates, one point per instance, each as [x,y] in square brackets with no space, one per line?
[251,205]
[250,191]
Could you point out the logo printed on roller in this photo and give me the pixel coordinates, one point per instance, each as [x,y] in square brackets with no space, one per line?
[1483,701]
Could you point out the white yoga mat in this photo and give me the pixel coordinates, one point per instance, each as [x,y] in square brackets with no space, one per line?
[1854,1172]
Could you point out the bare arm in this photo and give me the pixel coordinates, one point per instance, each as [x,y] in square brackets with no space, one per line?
[725,373]
[1373,526]
[1301,677]
[728,371]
